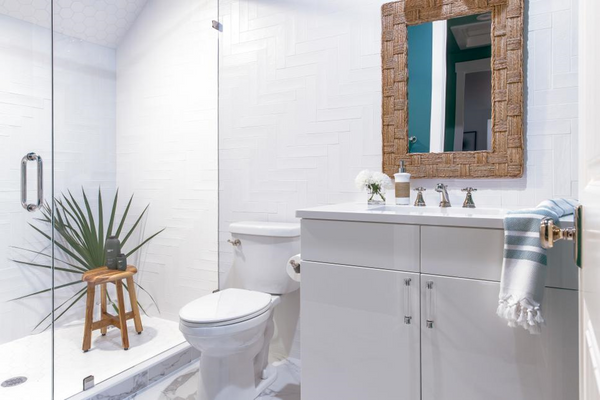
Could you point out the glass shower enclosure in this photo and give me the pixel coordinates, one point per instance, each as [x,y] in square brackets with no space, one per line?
[108,127]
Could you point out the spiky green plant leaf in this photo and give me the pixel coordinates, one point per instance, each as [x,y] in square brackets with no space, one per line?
[80,235]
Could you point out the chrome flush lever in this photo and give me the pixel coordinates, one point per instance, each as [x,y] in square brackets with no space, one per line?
[40,182]
[295,265]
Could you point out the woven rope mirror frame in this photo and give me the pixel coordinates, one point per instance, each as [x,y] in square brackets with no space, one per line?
[506,159]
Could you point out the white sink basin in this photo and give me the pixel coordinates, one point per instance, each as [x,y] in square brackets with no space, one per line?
[438,211]
[453,216]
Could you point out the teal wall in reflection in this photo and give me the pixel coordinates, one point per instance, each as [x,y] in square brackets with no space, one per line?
[455,55]
[420,42]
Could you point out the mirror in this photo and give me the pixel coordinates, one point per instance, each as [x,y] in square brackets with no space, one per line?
[450,85]
[465,127]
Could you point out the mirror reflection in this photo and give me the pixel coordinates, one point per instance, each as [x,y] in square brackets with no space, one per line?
[450,85]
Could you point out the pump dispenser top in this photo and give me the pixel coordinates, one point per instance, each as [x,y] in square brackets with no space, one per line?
[402,168]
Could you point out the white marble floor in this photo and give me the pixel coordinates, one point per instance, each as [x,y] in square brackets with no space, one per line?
[182,385]
[30,357]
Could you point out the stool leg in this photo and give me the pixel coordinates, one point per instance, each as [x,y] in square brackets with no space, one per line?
[89,317]
[103,306]
[122,317]
[137,320]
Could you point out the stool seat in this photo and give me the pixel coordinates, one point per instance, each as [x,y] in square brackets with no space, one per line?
[101,276]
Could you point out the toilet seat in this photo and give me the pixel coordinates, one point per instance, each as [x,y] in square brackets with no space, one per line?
[227,307]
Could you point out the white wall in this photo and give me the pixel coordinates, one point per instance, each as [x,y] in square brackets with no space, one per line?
[84,152]
[301,109]
[167,146]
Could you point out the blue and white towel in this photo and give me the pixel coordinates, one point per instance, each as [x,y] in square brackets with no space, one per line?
[525,261]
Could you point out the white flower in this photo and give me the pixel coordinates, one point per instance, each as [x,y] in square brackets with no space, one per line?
[382,180]
[367,179]
[363,179]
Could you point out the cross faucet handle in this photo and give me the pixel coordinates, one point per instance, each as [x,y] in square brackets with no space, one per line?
[469,203]
[420,201]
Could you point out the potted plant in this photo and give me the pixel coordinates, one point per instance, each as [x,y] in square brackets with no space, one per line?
[375,183]
[80,239]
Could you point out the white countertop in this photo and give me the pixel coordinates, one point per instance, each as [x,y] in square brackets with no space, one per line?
[491,218]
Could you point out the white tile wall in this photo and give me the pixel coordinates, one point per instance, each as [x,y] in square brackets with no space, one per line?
[84,153]
[167,146]
[300,108]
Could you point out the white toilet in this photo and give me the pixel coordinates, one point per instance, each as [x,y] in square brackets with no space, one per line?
[233,328]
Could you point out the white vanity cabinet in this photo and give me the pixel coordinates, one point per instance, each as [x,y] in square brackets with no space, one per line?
[360,333]
[356,344]
[468,353]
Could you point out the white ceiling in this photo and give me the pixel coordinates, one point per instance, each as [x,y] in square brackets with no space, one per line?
[104,22]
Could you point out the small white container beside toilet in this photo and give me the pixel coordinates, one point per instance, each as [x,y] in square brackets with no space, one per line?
[234,327]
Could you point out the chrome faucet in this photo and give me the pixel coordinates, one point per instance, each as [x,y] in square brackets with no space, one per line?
[443,191]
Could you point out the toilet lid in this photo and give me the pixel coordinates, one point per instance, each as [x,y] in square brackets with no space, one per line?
[224,306]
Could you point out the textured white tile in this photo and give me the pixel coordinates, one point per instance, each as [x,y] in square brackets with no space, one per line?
[562,165]
[100,22]
[561,42]
[167,146]
[534,128]
[565,80]
[540,21]
[545,6]
[556,96]
[542,61]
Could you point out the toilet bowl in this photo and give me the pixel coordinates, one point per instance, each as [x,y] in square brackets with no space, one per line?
[233,328]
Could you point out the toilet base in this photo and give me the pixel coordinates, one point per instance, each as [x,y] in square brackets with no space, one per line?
[227,378]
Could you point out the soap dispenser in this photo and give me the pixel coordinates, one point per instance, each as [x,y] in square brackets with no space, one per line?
[402,180]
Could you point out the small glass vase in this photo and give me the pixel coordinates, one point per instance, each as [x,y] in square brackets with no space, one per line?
[376,198]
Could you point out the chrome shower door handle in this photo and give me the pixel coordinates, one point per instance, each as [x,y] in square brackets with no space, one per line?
[40,182]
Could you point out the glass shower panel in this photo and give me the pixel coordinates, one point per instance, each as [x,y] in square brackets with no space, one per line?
[25,234]
[136,158]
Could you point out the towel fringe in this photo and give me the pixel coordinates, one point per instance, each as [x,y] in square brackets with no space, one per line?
[521,313]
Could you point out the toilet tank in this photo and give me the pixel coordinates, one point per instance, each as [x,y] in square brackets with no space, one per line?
[262,254]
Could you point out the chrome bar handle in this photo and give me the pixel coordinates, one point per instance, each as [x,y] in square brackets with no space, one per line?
[429,304]
[407,308]
[40,182]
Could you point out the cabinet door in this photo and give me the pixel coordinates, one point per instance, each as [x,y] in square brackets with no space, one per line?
[469,353]
[356,344]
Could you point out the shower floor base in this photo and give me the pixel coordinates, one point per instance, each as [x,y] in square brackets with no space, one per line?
[30,357]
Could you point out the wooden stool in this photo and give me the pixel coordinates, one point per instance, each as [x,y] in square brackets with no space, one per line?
[101,276]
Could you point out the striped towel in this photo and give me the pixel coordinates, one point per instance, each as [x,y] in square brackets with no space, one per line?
[524,268]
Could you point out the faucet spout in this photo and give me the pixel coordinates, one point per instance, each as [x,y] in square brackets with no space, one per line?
[443,191]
